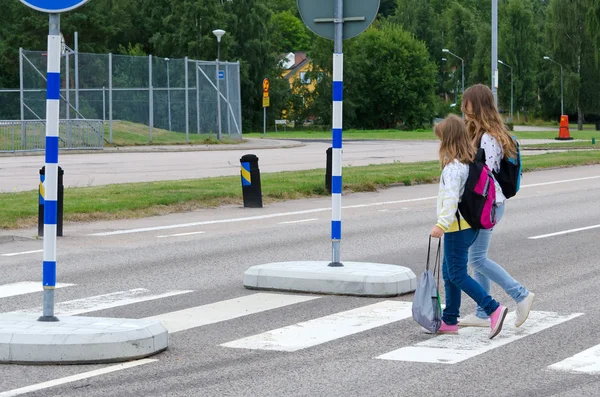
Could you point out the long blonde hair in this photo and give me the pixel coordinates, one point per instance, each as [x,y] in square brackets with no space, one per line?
[484,117]
[455,141]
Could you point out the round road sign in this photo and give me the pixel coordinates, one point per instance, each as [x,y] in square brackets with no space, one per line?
[318,16]
[54,6]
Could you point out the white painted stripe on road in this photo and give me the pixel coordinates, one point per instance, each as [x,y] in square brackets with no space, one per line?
[226,310]
[581,229]
[22,253]
[473,341]
[300,221]
[254,218]
[75,378]
[25,287]
[180,234]
[587,362]
[101,302]
[587,178]
[325,329]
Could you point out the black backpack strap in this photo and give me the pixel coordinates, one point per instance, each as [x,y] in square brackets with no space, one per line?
[458,220]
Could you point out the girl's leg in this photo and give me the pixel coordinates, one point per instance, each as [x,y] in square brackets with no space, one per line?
[456,249]
[485,269]
[453,296]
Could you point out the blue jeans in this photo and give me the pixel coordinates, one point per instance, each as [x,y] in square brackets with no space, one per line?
[457,279]
[485,269]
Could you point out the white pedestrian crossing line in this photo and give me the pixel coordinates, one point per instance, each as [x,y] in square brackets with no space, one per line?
[22,253]
[101,302]
[227,310]
[473,341]
[587,362]
[325,329]
[25,287]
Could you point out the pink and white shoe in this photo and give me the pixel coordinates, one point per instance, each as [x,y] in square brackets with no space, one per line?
[496,320]
[448,329]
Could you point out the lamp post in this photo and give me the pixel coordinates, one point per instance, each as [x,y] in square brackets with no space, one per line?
[511,88]
[168,92]
[463,66]
[219,33]
[562,109]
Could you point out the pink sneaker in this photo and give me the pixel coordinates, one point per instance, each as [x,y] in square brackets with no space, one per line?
[496,320]
[448,329]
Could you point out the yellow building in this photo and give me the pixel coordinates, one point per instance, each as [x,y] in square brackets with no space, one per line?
[295,66]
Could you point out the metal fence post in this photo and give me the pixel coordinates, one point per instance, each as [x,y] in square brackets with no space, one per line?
[150,97]
[21,95]
[68,100]
[240,100]
[76,75]
[187,103]
[228,111]
[103,104]
[197,98]
[110,98]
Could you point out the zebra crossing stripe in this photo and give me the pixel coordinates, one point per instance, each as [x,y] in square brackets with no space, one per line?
[587,362]
[473,341]
[101,302]
[325,329]
[226,310]
[25,287]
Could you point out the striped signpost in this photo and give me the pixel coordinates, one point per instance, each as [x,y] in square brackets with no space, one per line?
[337,20]
[54,8]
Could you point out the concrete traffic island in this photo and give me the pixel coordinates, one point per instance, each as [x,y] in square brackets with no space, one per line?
[78,340]
[353,278]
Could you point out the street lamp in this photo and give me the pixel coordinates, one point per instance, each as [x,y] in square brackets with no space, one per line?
[562,109]
[511,88]
[168,92]
[463,66]
[219,33]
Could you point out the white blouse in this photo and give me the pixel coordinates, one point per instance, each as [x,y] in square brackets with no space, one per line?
[494,154]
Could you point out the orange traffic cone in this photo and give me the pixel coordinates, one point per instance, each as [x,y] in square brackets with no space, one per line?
[563,133]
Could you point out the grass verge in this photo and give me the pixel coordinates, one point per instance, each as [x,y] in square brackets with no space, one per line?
[135,200]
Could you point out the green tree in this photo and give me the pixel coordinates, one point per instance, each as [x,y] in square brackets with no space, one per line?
[288,33]
[400,91]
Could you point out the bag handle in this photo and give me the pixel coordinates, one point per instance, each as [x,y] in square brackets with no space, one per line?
[436,265]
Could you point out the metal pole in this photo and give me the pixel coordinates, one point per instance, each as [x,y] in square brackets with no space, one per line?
[68,98]
[21,96]
[187,102]
[110,98]
[51,172]
[239,93]
[103,104]
[150,97]
[197,98]
[495,50]
[264,120]
[512,85]
[228,111]
[463,75]
[169,95]
[218,95]
[562,104]
[77,74]
[336,124]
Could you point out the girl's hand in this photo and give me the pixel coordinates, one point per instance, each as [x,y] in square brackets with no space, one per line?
[437,232]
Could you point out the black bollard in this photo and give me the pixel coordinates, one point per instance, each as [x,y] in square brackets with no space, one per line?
[59,204]
[328,170]
[250,175]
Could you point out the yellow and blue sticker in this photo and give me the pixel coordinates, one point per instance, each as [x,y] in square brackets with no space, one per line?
[246,177]
[42,190]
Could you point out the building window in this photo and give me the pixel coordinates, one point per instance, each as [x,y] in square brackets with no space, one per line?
[304,78]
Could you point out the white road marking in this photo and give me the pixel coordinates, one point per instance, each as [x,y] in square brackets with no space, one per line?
[253,218]
[22,253]
[588,362]
[25,287]
[300,221]
[325,329]
[473,341]
[564,232]
[180,234]
[226,310]
[75,378]
[312,211]
[101,302]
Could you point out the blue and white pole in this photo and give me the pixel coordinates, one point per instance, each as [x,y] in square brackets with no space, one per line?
[51,178]
[336,130]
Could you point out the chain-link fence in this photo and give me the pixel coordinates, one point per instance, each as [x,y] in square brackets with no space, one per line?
[178,95]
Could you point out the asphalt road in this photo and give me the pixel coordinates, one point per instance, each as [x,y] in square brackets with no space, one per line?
[386,227]
[19,173]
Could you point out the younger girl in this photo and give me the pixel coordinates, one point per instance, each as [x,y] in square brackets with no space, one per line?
[456,152]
